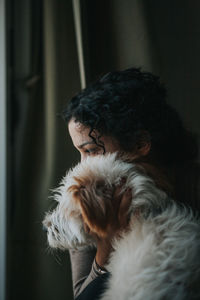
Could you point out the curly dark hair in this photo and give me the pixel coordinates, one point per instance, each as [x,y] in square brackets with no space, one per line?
[127,104]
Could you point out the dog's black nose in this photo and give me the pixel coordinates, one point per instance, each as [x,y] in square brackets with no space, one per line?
[44,228]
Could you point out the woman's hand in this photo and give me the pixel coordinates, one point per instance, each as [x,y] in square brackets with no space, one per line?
[117,224]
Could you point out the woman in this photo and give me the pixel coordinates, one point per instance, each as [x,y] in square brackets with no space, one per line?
[127,111]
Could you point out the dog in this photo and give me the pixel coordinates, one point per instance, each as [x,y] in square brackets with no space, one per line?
[157,257]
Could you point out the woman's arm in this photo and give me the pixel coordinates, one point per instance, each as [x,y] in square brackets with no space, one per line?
[87,264]
[84,268]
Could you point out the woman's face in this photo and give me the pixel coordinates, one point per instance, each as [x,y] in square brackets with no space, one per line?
[85,145]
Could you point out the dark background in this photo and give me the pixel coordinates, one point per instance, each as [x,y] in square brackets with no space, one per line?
[43,74]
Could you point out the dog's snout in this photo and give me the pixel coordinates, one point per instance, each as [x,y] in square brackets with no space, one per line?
[44,228]
[45,225]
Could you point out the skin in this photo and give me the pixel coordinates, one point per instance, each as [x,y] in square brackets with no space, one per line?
[85,145]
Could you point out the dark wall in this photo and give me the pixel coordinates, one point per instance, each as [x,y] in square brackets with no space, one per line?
[159,36]
[174,28]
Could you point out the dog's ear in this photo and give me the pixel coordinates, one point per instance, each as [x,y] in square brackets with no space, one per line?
[104,208]
[95,200]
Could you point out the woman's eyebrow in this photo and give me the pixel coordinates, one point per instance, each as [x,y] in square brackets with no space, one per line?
[84,144]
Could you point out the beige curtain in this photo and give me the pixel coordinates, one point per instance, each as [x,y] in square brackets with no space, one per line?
[46,75]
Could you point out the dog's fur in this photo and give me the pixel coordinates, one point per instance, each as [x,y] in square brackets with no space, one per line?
[157,258]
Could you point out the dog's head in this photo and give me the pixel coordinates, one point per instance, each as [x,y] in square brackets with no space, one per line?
[64,224]
[87,196]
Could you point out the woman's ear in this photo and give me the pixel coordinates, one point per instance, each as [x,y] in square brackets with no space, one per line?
[143,143]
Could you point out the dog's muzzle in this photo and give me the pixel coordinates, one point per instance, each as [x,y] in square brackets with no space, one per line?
[44,228]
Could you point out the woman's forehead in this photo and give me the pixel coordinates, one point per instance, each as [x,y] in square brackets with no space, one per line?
[75,125]
[78,132]
[80,135]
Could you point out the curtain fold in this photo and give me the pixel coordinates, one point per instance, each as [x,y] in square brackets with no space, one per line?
[45,76]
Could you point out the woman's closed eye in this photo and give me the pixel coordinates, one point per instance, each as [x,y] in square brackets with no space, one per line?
[92,151]
[85,152]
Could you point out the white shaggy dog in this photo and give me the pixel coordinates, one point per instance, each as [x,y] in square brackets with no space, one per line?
[157,258]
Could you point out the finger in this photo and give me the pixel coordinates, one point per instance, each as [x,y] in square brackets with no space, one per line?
[120,202]
[91,233]
[121,184]
[124,206]
[117,193]
[86,228]
[116,198]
